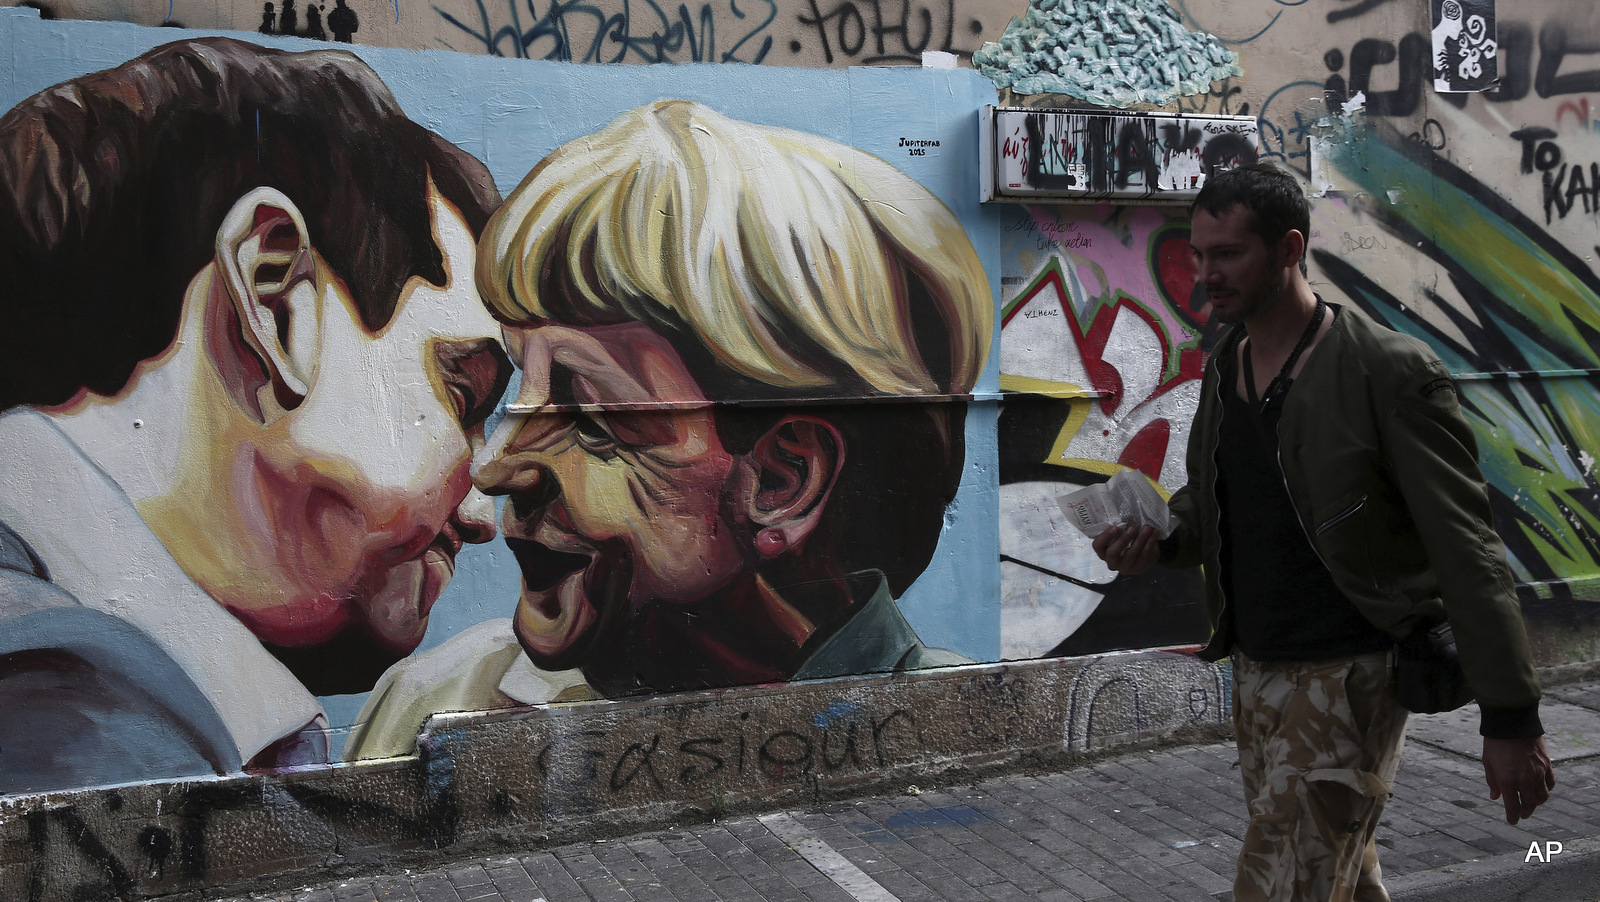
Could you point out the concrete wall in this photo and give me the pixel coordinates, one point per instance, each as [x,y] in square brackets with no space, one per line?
[834,33]
[599,769]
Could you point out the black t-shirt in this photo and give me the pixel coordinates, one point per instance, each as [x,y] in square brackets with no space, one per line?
[1285,604]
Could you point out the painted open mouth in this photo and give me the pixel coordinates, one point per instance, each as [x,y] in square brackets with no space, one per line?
[543,567]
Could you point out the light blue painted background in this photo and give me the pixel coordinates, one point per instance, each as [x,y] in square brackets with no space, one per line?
[510,113]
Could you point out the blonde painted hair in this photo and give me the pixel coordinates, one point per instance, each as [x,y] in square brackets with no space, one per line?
[798,263]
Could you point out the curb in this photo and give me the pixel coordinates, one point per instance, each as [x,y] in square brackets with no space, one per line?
[1573,875]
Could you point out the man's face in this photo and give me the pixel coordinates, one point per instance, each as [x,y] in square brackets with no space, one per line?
[1240,272]
[344,515]
[622,502]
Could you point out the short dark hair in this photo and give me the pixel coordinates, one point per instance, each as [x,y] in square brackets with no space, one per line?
[1272,196]
[113,186]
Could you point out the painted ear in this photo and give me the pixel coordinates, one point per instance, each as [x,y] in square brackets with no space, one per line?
[791,471]
[266,267]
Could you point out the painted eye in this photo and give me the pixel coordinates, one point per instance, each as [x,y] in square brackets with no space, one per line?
[475,374]
[593,437]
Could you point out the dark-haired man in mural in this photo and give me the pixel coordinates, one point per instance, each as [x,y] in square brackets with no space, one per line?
[744,352]
[243,371]
[1334,501]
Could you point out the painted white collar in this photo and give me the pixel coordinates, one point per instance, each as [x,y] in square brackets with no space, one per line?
[96,546]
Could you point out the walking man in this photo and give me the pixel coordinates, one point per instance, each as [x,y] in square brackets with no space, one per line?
[1335,503]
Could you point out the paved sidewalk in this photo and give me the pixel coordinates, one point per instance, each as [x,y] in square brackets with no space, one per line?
[1161,825]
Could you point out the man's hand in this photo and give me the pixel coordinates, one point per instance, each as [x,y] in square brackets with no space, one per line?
[1520,770]
[1129,551]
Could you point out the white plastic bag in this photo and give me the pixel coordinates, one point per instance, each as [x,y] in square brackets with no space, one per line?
[1126,499]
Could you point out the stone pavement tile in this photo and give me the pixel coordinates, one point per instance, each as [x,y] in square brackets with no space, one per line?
[619,860]
[639,880]
[1448,845]
[826,827]
[513,882]
[789,865]
[1174,808]
[1397,818]
[1188,892]
[1090,866]
[1182,774]
[1555,819]
[1139,891]
[1007,892]
[555,884]
[864,827]
[684,884]
[1202,878]
[1058,894]
[1075,867]
[954,859]
[905,857]
[652,853]
[468,876]
[906,887]
[826,891]
[948,886]
[434,887]
[725,854]
[354,891]
[1046,851]
[1432,859]
[1109,859]
[1396,864]
[1017,860]
[1135,852]
[736,873]
[1586,695]
[392,888]
[1220,759]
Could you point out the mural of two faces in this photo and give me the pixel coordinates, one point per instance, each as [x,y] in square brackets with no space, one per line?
[256,410]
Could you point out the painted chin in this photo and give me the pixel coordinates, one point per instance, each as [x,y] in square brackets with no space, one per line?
[397,615]
[552,624]
[556,615]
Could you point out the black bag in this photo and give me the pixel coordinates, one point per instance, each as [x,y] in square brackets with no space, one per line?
[1427,673]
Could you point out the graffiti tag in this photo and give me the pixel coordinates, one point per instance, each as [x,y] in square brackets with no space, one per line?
[866,32]
[1566,184]
[628,31]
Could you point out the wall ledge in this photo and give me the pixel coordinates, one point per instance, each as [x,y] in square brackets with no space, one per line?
[523,778]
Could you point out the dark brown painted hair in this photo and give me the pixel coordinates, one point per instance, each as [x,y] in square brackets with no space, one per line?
[113,186]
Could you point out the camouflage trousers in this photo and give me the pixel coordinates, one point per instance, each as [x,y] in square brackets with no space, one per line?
[1319,745]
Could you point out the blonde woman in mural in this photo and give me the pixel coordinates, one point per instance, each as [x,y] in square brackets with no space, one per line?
[703,485]
[243,371]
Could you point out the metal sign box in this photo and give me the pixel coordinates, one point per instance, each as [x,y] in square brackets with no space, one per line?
[1086,156]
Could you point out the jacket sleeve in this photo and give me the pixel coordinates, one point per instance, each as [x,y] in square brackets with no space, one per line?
[1182,548]
[1430,448]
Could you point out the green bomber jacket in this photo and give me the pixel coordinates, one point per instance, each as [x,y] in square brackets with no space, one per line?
[1382,469]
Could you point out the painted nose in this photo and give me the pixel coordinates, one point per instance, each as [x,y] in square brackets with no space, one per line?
[473,518]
